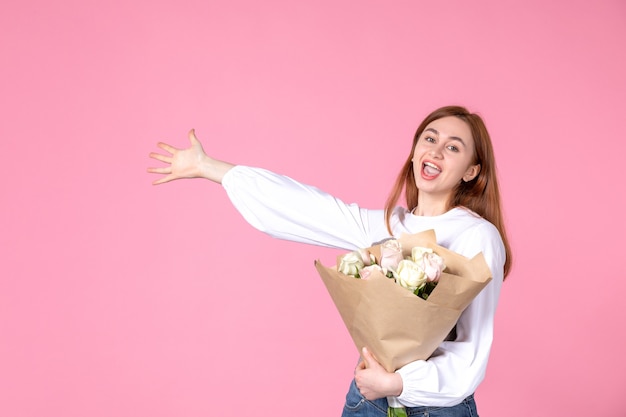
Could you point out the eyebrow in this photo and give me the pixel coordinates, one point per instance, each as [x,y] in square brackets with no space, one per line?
[450,137]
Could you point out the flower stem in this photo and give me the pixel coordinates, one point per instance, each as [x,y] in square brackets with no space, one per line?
[396,412]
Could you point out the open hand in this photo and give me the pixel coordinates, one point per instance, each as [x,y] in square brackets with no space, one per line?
[182,163]
[191,162]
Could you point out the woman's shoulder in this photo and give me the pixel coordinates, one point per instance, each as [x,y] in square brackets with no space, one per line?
[448,227]
[473,219]
[478,234]
[473,223]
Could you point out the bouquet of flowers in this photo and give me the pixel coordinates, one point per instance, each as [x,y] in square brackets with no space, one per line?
[397,326]
[418,273]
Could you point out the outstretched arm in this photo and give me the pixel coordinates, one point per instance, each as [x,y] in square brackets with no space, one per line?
[192,162]
[276,204]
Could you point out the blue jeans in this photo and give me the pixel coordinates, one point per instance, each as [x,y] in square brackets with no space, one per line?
[357,406]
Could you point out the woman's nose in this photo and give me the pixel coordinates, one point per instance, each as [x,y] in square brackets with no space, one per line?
[435,152]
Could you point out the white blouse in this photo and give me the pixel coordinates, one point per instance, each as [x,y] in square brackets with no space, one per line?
[287,209]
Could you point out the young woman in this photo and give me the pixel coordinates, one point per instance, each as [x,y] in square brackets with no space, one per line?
[450,185]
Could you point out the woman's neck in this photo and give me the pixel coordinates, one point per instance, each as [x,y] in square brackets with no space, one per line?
[429,206]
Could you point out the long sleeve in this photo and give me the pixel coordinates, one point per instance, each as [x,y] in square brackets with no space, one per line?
[286,209]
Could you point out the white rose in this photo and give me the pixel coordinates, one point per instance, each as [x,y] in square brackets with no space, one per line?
[410,275]
[418,252]
[351,263]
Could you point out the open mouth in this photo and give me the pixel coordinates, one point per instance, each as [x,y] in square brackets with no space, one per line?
[430,170]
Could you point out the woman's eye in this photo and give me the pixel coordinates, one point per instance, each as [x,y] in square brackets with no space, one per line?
[453,148]
[429,139]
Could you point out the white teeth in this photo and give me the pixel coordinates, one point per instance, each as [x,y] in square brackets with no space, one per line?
[429,164]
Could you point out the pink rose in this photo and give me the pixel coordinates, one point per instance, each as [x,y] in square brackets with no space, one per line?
[366,272]
[432,265]
[390,254]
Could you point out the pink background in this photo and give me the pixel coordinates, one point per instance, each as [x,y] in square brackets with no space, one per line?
[118,298]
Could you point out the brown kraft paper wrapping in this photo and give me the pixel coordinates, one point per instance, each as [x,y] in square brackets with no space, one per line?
[397,326]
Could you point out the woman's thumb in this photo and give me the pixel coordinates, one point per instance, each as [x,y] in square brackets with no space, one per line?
[367,357]
[192,137]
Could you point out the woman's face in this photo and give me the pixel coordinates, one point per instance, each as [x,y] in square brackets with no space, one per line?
[444,156]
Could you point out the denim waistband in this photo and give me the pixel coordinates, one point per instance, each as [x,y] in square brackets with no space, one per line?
[421,409]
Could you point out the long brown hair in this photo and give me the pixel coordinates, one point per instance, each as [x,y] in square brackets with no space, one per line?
[481,195]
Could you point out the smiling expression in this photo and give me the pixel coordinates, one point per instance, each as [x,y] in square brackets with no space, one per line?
[444,155]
